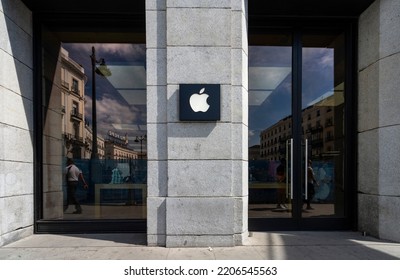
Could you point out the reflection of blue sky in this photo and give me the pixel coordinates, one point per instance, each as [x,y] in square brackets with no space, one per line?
[121,97]
[270,84]
[318,76]
[269,87]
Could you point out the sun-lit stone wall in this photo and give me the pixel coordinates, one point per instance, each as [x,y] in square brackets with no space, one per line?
[197,171]
[16,122]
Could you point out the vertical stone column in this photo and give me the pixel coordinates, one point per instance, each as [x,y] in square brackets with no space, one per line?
[379,120]
[197,178]
[16,122]
[157,139]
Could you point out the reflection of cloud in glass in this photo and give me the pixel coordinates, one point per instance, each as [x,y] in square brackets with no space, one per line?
[111,111]
[318,73]
[270,56]
[132,127]
[315,58]
[126,51]
[252,133]
[327,59]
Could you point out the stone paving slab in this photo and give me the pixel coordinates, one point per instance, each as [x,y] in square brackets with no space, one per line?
[260,246]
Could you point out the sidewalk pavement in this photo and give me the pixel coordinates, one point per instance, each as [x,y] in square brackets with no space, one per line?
[343,245]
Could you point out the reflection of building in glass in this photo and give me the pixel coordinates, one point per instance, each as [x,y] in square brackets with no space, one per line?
[273,139]
[318,125]
[88,143]
[73,79]
[76,130]
[116,147]
[318,128]
[115,151]
[254,152]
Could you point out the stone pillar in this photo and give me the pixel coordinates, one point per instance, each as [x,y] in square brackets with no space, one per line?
[197,171]
[16,122]
[379,120]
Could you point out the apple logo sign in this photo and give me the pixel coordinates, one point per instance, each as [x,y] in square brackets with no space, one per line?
[198,101]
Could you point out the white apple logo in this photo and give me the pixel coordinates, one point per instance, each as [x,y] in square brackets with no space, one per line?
[198,101]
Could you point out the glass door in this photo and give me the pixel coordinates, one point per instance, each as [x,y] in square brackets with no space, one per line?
[270,127]
[297,121]
[323,118]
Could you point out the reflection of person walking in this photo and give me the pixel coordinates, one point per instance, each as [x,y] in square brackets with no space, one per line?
[72,175]
[281,179]
[310,185]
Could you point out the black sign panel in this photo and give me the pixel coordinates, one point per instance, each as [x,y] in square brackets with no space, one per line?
[199,102]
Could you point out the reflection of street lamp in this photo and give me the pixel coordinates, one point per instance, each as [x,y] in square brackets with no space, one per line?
[141,139]
[103,71]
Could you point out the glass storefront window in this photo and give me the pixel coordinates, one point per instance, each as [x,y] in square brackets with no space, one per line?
[94,115]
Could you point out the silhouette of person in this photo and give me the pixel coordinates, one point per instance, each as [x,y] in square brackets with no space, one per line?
[73,174]
[281,179]
[311,182]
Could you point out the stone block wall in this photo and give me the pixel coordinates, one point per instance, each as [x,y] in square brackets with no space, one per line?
[16,122]
[379,120]
[197,172]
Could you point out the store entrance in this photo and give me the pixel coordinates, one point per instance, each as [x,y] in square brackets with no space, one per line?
[298,117]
